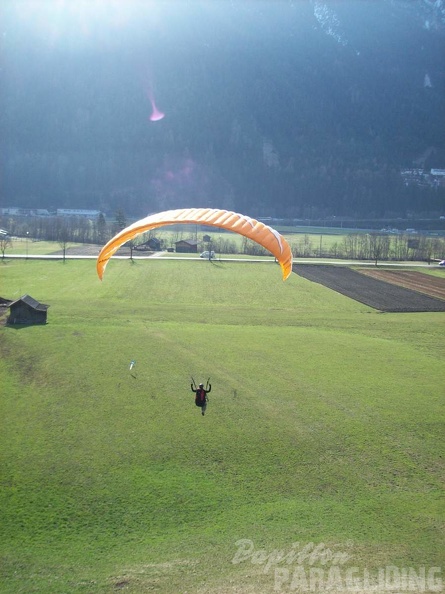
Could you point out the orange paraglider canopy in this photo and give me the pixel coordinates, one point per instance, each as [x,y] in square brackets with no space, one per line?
[232,221]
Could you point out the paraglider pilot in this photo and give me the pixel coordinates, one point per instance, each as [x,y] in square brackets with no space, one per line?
[201,396]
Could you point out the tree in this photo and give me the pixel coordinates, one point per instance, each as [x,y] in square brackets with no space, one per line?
[350,244]
[379,246]
[120,221]
[101,228]
[5,242]
[131,244]
[63,238]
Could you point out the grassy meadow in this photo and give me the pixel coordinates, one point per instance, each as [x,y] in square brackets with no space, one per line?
[324,428]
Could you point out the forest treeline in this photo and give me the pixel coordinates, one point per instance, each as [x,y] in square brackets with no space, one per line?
[377,246]
[290,124]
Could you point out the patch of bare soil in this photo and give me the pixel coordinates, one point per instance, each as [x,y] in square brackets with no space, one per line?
[84,249]
[374,292]
[91,249]
[416,281]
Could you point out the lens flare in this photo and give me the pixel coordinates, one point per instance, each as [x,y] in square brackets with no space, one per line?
[156,115]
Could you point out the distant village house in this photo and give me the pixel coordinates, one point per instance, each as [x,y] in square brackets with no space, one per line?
[77,212]
[43,212]
[435,178]
[14,211]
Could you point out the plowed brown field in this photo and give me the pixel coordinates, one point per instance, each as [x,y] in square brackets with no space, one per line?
[417,281]
[375,292]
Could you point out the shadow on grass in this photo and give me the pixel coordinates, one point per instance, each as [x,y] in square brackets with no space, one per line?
[216,263]
[21,326]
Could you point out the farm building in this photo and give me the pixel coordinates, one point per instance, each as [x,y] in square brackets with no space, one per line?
[27,310]
[187,246]
[153,244]
[78,212]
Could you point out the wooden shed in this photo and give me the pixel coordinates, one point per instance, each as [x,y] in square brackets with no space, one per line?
[187,246]
[153,244]
[27,310]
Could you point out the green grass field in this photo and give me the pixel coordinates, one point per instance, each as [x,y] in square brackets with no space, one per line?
[324,428]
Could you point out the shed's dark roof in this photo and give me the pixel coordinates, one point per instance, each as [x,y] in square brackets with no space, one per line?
[187,241]
[152,241]
[31,302]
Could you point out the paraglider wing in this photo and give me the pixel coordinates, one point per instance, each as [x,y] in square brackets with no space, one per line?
[269,238]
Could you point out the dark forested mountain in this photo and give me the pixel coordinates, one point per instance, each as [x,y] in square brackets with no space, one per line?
[293,108]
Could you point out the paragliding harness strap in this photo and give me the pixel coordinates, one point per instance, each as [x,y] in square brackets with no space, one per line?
[200,398]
